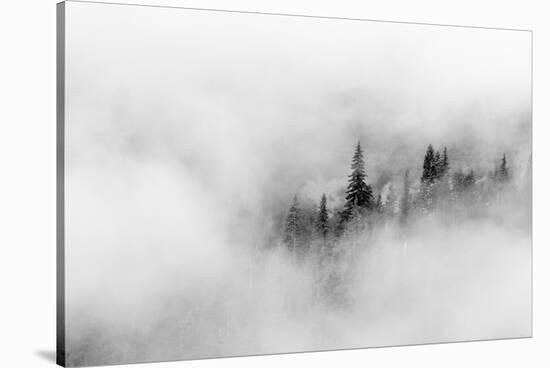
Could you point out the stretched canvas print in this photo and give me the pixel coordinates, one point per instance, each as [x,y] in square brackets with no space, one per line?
[236,183]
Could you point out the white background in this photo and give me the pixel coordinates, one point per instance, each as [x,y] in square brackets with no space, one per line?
[27,184]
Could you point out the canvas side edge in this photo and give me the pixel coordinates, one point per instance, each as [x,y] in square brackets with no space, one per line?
[60,184]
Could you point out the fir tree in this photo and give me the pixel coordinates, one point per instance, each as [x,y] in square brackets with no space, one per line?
[358,194]
[445,162]
[322,218]
[292,226]
[404,205]
[429,169]
[442,186]
[502,172]
[441,163]
[438,165]
[428,179]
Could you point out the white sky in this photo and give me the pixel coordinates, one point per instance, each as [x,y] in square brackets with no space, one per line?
[253,104]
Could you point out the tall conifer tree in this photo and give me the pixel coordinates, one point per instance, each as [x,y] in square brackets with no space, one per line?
[502,173]
[438,164]
[445,162]
[429,167]
[358,194]
[322,218]
[428,179]
[292,226]
[404,204]
[441,163]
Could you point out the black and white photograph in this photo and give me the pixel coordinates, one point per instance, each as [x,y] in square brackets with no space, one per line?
[245,183]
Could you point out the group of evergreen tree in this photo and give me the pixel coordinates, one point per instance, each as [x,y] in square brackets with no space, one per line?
[435,165]
[362,206]
[434,172]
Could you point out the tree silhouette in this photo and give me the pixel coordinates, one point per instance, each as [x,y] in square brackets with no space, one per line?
[441,164]
[358,194]
[445,162]
[404,204]
[292,226]
[429,168]
[322,218]
[437,164]
[502,171]
[428,179]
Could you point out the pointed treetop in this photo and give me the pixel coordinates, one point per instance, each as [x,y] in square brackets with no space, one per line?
[292,225]
[322,218]
[358,193]
[429,166]
[502,172]
[358,162]
[445,162]
[404,205]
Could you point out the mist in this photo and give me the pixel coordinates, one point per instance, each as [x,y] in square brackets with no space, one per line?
[187,135]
